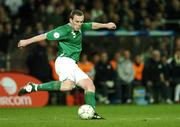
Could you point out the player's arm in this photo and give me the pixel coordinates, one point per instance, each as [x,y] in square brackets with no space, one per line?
[55,34]
[109,25]
[25,42]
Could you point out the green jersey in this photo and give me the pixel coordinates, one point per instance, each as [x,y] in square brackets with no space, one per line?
[70,41]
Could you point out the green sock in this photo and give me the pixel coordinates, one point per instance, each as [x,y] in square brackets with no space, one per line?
[50,86]
[90,98]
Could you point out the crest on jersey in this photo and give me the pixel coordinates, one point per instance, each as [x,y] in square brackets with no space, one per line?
[56,35]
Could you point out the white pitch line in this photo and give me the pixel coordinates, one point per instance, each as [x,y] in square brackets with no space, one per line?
[139,118]
[150,118]
[145,118]
[6,119]
[122,118]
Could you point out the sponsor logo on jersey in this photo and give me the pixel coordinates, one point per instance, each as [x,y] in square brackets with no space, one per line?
[10,83]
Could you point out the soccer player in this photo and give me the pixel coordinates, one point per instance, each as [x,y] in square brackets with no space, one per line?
[70,46]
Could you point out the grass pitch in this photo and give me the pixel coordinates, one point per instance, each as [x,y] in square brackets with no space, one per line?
[116,116]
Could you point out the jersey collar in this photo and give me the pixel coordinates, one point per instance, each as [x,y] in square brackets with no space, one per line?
[72,28]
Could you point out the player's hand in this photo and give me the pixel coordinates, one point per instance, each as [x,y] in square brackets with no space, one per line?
[22,43]
[111,25]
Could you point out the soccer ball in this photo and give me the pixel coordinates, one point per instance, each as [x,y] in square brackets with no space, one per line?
[86,112]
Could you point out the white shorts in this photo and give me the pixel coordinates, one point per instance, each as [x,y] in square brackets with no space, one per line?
[66,68]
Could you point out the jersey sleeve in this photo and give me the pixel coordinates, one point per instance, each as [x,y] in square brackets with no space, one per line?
[87,26]
[56,34]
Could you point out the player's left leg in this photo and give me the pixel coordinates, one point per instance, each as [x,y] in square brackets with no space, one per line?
[83,81]
[89,88]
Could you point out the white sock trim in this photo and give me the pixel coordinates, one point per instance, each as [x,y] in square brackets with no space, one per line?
[36,87]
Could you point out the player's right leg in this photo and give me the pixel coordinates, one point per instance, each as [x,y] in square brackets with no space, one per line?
[30,87]
[64,68]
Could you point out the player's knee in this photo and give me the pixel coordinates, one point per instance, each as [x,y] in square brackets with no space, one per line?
[87,85]
[90,86]
[67,85]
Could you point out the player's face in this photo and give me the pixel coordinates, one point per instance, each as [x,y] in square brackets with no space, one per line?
[77,22]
